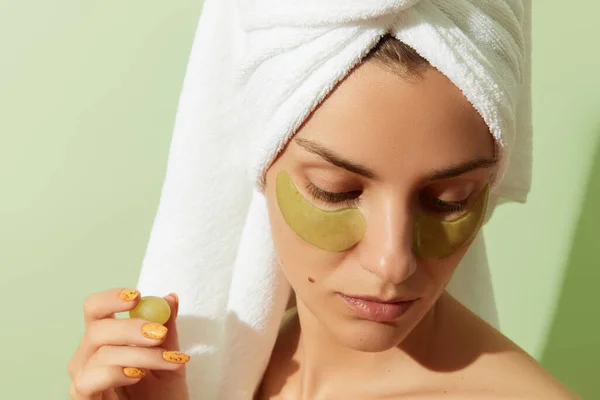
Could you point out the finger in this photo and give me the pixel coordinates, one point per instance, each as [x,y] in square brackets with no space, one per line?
[172,339]
[107,395]
[76,396]
[90,383]
[116,332]
[153,358]
[105,304]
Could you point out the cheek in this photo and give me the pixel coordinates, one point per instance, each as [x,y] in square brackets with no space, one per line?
[306,267]
[440,272]
[298,259]
[308,241]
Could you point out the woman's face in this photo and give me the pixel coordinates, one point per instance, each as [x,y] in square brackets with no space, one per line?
[393,149]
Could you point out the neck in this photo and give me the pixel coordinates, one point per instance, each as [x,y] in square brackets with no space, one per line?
[326,365]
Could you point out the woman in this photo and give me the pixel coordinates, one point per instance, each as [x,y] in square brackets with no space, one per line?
[372,204]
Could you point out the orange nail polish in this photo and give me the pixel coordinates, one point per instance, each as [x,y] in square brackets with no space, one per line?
[154,331]
[134,372]
[175,357]
[129,294]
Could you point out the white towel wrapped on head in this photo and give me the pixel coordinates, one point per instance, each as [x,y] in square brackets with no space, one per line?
[257,69]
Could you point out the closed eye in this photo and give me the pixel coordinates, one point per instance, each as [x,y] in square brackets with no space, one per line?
[438,205]
[331,197]
[430,203]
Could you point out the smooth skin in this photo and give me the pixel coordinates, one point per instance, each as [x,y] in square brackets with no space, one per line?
[113,347]
[390,142]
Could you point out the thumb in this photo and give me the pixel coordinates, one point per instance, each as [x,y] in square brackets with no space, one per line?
[172,340]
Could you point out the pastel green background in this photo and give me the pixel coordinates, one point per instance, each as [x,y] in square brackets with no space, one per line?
[88,95]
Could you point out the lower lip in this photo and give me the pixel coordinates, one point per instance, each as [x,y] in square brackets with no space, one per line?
[375,311]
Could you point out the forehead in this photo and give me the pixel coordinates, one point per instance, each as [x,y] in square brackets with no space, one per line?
[387,122]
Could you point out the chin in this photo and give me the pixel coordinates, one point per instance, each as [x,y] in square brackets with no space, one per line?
[368,336]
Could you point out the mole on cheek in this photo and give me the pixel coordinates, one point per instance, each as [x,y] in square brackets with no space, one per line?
[311,280]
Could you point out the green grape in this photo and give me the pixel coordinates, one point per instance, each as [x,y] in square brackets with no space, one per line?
[152,308]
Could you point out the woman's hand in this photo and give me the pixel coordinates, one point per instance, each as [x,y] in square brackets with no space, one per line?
[129,359]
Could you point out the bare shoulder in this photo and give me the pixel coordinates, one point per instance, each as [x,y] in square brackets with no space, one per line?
[479,359]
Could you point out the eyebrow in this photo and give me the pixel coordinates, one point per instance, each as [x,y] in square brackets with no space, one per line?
[462,168]
[339,161]
[335,159]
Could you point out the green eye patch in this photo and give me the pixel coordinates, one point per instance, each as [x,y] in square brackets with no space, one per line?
[339,230]
[328,230]
[435,239]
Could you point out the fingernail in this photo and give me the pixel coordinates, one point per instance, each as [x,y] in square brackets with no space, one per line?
[134,372]
[175,357]
[154,331]
[129,294]
[175,297]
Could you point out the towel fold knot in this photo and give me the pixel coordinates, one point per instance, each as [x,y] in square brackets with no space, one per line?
[262,14]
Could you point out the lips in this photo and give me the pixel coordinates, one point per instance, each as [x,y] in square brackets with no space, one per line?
[377,310]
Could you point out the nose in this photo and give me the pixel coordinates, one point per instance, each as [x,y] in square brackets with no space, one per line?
[386,249]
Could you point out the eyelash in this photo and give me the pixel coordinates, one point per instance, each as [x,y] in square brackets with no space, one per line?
[351,197]
[433,203]
[441,206]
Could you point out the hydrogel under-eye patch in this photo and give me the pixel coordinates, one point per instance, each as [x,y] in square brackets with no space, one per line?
[435,238]
[328,230]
